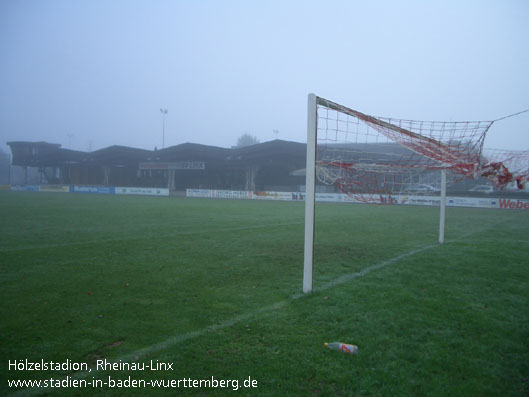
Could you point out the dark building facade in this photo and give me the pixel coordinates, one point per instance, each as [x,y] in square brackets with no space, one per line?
[265,166]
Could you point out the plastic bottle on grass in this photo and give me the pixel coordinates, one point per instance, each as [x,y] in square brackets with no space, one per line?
[344,347]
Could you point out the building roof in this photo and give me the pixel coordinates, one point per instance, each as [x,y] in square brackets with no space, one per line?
[44,154]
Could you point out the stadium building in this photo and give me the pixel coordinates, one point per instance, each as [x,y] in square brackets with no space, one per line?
[273,165]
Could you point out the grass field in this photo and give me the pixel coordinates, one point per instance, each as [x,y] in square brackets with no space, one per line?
[214,288]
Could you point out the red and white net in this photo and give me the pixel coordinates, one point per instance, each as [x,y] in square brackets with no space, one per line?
[506,168]
[371,156]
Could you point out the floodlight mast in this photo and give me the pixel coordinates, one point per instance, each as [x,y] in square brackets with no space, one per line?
[310,192]
[164,113]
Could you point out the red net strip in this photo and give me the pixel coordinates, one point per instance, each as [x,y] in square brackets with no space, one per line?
[503,167]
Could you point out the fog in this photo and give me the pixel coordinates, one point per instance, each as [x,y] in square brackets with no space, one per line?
[90,74]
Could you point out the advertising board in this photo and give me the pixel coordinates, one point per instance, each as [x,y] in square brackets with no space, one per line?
[92,189]
[231,194]
[144,191]
[204,193]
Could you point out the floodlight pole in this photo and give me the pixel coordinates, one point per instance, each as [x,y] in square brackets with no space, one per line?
[443,208]
[310,192]
[164,113]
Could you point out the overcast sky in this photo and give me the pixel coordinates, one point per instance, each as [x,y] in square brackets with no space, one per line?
[88,74]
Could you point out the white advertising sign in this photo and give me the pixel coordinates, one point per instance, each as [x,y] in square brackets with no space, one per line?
[147,191]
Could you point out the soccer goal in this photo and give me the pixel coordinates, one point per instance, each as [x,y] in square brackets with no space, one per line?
[376,159]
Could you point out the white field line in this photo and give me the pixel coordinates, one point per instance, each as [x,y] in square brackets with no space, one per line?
[179,338]
[351,276]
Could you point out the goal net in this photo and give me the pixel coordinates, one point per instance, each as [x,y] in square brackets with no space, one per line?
[506,168]
[371,158]
[366,156]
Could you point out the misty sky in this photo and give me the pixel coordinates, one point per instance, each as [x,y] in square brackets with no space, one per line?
[89,74]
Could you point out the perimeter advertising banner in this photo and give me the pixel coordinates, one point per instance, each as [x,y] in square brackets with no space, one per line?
[26,188]
[92,189]
[144,191]
[330,197]
[204,193]
[515,204]
[284,196]
[474,202]
[419,200]
[54,188]
[221,194]
[231,194]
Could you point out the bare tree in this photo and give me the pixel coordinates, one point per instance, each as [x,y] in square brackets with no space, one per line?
[246,140]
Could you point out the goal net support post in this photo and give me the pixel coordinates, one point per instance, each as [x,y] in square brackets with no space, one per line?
[443,208]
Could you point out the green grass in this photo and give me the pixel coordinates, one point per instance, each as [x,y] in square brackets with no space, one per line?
[213,287]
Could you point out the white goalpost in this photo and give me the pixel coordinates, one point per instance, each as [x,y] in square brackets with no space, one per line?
[443,208]
[375,159]
[310,193]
